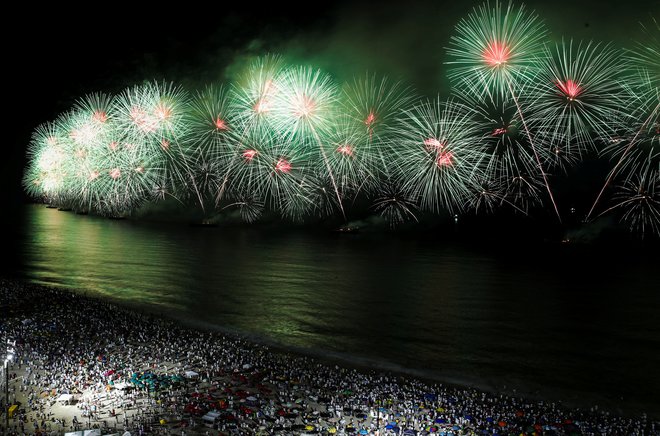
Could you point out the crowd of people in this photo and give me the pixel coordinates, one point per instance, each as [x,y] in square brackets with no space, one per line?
[82,363]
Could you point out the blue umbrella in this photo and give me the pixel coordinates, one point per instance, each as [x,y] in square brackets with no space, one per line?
[363,431]
[389,426]
[468,417]
[440,420]
[455,427]
[489,419]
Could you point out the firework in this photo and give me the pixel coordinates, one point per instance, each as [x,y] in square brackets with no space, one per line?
[637,150]
[269,170]
[439,156]
[499,50]
[305,111]
[576,95]
[496,46]
[255,92]
[305,104]
[211,138]
[151,119]
[511,162]
[46,155]
[375,105]
[351,158]
[638,202]
[394,204]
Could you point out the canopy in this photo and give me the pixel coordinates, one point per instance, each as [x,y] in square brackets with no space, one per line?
[65,397]
[122,386]
[191,374]
[211,416]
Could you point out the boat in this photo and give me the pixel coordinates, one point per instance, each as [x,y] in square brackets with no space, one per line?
[347,229]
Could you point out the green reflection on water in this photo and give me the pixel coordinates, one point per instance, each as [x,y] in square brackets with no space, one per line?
[88,253]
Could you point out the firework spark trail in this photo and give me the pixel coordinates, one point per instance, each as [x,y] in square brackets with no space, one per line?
[536,154]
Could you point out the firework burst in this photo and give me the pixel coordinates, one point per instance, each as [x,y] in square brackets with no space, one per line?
[576,94]
[43,178]
[254,95]
[268,170]
[439,157]
[376,104]
[211,138]
[638,202]
[510,157]
[637,150]
[395,205]
[496,46]
[305,104]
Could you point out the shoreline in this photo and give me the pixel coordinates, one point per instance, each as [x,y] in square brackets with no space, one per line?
[313,362]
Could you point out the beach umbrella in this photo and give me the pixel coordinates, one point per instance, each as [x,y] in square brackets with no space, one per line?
[363,431]
[440,421]
[489,419]
[332,430]
[502,423]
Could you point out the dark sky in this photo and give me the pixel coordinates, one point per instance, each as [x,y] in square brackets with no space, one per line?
[61,53]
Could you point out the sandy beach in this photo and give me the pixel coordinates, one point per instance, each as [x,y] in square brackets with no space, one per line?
[84,364]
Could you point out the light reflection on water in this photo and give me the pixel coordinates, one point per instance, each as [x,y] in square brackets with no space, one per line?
[557,320]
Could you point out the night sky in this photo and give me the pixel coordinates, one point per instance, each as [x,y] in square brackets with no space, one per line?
[56,56]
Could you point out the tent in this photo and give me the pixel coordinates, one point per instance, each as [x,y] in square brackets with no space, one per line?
[65,398]
[191,374]
[122,385]
[93,432]
[211,417]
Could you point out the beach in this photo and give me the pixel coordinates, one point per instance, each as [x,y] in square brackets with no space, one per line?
[81,363]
